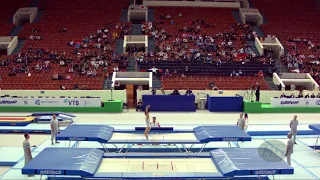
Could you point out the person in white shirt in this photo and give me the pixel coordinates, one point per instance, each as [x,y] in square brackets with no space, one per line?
[294,128]
[289,149]
[54,124]
[27,149]
[241,122]
[246,119]
[116,69]
[292,87]
[155,123]
[154,69]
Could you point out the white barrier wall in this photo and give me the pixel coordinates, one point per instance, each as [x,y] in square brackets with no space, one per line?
[265,96]
[104,94]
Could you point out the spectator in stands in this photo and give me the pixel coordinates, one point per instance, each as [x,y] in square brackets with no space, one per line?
[76,86]
[27,71]
[180,15]
[154,70]
[116,69]
[94,72]
[167,73]
[307,95]
[215,88]
[140,88]
[139,105]
[189,92]
[186,70]
[183,75]
[70,69]
[292,87]
[175,73]
[55,76]
[68,77]
[313,96]
[89,72]
[168,16]
[260,74]
[234,73]
[62,87]
[62,63]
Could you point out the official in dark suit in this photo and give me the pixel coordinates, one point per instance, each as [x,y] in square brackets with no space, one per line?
[257,92]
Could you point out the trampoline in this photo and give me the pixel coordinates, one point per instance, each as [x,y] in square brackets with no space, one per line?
[107,135]
[46,116]
[94,163]
[16,121]
[316,128]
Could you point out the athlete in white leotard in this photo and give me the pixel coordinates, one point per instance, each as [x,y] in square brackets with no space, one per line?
[148,127]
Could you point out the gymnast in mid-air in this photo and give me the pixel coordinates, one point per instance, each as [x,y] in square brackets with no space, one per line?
[146,112]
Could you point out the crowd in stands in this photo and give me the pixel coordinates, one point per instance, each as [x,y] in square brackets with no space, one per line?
[283,95]
[192,42]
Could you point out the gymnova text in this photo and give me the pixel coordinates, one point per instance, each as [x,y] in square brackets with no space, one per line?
[265,172]
[49,172]
[289,102]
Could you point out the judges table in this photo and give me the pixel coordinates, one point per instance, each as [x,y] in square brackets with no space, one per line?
[295,102]
[169,102]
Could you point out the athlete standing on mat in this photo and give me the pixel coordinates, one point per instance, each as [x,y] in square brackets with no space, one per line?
[27,149]
[294,128]
[54,124]
[241,122]
[146,112]
[289,149]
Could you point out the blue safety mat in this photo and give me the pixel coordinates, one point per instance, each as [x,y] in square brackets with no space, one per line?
[65,161]
[243,162]
[315,127]
[220,133]
[75,132]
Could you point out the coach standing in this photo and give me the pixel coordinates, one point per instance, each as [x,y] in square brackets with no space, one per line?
[54,124]
[294,128]
[27,149]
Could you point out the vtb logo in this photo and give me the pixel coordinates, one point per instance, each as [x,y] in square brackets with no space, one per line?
[74,103]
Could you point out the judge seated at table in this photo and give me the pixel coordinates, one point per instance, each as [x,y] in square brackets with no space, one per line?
[300,95]
[318,96]
[175,92]
[307,96]
[189,92]
[291,96]
[283,95]
[313,96]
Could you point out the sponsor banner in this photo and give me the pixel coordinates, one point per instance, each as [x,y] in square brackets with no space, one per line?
[51,102]
[295,102]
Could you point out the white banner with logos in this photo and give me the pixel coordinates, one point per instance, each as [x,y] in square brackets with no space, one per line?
[51,102]
[295,102]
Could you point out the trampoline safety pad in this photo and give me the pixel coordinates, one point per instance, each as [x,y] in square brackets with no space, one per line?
[162,136]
